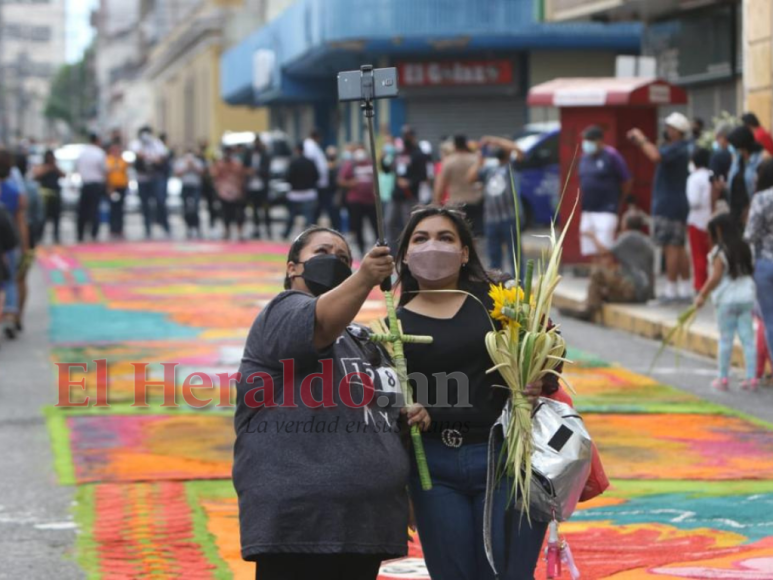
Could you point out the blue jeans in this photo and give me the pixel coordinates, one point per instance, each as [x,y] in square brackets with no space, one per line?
[327,205]
[733,318]
[498,234]
[763,277]
[302,208]
[153,201]
[11,305]
[449,518]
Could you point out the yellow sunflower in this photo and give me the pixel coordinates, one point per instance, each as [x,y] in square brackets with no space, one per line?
[504,297]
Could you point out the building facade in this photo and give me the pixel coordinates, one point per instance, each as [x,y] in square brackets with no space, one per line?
[758,59]
[697,45]
[183,69]
[125,102]
[158,64]
[32,48]
[463,66]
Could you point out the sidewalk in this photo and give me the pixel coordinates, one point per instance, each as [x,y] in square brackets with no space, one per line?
[652,320]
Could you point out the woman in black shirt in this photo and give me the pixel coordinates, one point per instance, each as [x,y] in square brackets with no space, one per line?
[48,175]
[436,252]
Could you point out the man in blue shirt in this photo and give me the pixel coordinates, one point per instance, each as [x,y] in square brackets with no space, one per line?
[669,201]
[15,203]
[604,176]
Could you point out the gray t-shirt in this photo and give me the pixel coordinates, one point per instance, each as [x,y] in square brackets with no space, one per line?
[324,480]
[636,255]
[498,202]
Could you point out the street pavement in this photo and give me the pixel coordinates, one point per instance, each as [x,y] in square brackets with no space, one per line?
[37,531]
[38,513]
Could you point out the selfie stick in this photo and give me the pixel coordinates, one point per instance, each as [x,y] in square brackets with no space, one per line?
[395,337]
[368,110]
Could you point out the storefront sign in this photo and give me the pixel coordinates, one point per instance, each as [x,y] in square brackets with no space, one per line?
[660,94]
[456,73]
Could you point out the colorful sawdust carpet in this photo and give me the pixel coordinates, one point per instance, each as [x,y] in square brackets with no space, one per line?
[692,492]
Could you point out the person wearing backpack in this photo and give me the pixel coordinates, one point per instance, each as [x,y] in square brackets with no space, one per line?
[14,203]
[35,218]
[8,241]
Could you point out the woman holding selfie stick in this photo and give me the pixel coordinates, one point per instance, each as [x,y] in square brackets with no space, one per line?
[319,464]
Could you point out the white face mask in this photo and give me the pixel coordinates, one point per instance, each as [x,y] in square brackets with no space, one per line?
[360,155]
[590,147]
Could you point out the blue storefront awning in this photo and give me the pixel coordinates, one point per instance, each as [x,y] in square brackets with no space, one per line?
[296,56]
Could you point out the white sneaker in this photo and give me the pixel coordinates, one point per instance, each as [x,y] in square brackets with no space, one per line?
[685,290]
[669,293]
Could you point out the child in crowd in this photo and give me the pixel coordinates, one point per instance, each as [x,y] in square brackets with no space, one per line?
[732,291]
[699,192]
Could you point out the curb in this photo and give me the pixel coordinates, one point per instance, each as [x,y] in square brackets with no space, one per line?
[639,320]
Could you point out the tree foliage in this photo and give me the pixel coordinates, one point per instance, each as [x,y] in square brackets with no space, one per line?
[73,94]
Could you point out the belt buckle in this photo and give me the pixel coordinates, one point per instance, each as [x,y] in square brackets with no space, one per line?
[452,438]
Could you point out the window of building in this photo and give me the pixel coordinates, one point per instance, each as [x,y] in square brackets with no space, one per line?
[27,33]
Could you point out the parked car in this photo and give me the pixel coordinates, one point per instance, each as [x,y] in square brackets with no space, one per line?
[278,145]
[539,176]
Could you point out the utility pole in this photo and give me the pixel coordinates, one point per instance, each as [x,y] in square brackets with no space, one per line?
[22,67]
[3,83]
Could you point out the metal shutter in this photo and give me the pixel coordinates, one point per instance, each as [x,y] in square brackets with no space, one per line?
[471,116]
[710,100]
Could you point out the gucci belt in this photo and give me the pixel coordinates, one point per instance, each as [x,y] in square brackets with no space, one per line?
[451,438]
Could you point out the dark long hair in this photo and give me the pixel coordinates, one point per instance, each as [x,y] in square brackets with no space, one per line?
[473,276]
[21,163]
[303,240]
[726,234]
[765,175]
[6,163]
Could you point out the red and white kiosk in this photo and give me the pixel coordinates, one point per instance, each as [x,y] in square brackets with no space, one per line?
[617,105]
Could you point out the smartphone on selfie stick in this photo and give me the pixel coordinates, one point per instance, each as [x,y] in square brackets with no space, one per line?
[367,85]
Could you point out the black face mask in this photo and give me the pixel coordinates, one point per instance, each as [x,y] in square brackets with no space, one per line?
[323,273]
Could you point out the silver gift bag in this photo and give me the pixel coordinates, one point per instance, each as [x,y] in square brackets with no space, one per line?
[561,463]
[561,460]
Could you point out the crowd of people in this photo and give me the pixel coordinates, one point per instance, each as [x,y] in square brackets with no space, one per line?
[692,185]
[714,202]
[235,182]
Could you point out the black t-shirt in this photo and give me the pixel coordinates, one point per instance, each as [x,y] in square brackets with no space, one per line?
[720,163]
[412,166]
[302,174]
[50,180]
[458,347]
